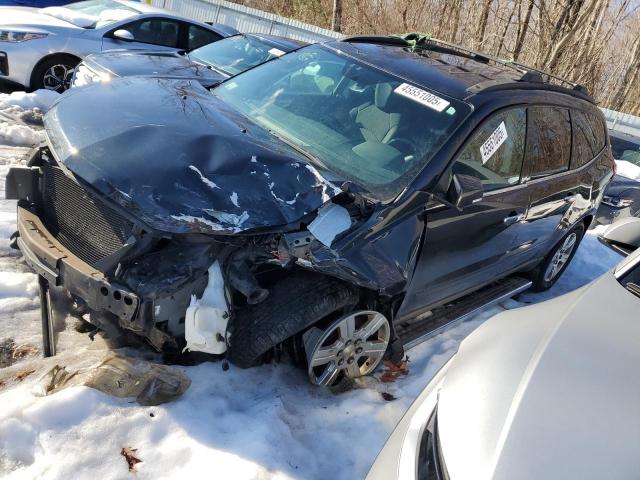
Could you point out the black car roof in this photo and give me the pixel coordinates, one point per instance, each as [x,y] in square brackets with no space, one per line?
[284,43]
[450,69]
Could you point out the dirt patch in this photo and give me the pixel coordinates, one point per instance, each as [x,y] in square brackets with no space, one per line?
[10,353]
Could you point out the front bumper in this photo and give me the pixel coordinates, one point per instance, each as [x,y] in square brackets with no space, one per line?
[49,258]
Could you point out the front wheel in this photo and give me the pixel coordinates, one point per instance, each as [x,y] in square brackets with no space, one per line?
[557,261]
[55,73]
[351,347]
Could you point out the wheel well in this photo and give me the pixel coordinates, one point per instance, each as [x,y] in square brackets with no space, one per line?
[47,58]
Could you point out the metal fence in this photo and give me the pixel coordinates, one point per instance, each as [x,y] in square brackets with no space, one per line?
[622,122]
[246,19]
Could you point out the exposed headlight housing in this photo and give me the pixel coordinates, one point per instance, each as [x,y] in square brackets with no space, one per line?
[10,36]
[616,202]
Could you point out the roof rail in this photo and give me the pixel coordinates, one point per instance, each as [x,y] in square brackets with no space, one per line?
[424,41]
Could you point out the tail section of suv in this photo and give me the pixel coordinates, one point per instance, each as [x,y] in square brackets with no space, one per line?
[316,204]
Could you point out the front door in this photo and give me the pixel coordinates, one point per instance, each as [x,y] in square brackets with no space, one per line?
[464,250]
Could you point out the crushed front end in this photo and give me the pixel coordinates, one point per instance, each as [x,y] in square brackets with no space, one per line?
[176,291]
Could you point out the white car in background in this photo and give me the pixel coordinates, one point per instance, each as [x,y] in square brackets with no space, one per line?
[549,391]
[39,48]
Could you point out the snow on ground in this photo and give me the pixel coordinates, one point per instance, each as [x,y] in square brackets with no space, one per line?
[263,423]
[21,117]
[628,169]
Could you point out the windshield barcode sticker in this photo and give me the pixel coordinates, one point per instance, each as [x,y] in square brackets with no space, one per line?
[497,138]
[427,99]
[276,52]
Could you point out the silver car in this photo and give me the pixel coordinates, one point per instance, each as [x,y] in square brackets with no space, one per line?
[39,48]
[549,391]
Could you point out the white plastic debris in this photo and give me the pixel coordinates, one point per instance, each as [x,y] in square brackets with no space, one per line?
[332,220]
[205,323]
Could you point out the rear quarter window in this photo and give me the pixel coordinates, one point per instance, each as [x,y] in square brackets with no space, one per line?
[198,37]
[548,141]
[593,129]
[582,151]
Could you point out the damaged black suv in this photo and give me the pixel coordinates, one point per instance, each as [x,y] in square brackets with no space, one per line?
[337,203]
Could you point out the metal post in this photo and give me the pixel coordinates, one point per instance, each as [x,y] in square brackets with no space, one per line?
[48,341]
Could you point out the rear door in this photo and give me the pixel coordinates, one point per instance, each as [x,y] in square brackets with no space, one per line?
[464,250]
[553,187]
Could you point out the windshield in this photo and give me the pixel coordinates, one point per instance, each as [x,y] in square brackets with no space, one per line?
[363,124]
[91,14]
[235,54]
[626,150]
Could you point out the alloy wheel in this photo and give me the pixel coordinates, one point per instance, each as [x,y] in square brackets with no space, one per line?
[560,257]
[58,77]
[352,346]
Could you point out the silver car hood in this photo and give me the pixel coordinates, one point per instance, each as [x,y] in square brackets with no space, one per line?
[548,391]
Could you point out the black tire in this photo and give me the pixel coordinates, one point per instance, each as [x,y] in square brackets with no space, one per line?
[293,305]
[540,283]
[38,77]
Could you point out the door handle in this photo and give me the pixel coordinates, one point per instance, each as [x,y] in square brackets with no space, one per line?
[511,219]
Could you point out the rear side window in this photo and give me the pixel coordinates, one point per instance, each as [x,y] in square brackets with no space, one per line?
[198,37]
[155,31]
[548,141]
[495,152]
[582,152]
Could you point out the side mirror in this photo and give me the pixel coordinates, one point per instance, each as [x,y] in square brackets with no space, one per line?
[465,190]
[123,34]
[622,236]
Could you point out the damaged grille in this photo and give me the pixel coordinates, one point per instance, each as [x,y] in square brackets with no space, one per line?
[84,225]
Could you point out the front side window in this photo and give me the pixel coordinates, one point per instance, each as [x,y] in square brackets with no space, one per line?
[235,54]
[365,125]
[155,31]
[548,141]
[496,150]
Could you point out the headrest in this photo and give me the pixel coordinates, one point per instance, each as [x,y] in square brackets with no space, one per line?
[382,94]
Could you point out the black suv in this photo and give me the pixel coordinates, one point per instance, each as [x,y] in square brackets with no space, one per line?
[336,203]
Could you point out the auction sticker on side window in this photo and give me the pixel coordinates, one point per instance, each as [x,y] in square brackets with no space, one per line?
[427,99]
[497,138]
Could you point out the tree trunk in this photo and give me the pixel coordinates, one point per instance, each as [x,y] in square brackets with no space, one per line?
[336,18]
[482,25]
[629,76]
[523,31]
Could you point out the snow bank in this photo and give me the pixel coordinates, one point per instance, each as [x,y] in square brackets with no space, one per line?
[41,99]
[19,112]
[20,135]
[628,169]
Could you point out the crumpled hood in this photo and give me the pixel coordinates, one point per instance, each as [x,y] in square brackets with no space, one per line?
[179,159]
[547,391]
[126,63]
